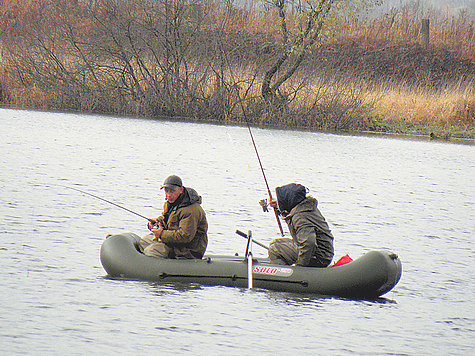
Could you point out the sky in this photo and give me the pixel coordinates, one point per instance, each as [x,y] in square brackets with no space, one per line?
[453,5]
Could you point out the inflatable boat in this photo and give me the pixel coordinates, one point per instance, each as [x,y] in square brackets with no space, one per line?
[367,277]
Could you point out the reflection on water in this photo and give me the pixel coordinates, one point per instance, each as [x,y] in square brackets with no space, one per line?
[412,197]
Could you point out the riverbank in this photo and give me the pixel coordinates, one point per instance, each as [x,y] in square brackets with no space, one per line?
[408,135]
[367,76]
[369,125]
[392,112]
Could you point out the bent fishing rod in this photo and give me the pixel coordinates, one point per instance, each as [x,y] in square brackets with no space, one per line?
[107,201]
[264,175]
[258,158]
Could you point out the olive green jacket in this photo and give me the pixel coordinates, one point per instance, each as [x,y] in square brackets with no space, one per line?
[310,232]
[185,231]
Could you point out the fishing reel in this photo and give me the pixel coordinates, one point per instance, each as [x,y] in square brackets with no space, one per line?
[263,204]
[152,225]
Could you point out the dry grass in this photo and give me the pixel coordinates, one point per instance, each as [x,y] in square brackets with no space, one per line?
[402,27]
[421,108]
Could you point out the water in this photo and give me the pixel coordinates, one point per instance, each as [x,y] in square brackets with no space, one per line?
[412,197]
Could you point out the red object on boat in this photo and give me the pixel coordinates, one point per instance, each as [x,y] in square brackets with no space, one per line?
[343,261]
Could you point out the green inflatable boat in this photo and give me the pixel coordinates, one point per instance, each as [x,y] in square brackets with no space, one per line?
[368,277]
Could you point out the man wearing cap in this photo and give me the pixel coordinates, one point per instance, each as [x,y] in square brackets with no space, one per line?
[181,231]
[312,241]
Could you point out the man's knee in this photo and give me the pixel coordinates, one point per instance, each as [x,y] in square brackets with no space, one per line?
[282,251]
[156,249]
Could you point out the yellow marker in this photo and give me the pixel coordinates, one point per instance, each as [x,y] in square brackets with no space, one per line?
[27,274]
[249,168]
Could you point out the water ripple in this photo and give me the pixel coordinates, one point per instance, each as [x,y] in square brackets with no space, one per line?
[415,198]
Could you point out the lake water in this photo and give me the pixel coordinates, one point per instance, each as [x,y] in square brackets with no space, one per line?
[413,197]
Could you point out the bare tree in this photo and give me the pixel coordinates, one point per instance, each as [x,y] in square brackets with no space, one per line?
[294,47]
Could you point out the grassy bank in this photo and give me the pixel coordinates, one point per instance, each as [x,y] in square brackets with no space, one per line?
[130,58]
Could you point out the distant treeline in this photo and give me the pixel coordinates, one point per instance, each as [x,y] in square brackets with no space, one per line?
[210,60]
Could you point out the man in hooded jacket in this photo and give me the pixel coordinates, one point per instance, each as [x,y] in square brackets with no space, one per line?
[312,241]
[181,231]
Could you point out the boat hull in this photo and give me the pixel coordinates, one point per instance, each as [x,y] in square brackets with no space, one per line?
[370,276]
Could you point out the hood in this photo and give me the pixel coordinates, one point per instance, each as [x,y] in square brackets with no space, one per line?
[190,196]
[289,195]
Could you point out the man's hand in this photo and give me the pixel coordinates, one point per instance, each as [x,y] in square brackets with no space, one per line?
[151,223]
[157,231]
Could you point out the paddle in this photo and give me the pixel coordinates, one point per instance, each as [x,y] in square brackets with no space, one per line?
[246,236]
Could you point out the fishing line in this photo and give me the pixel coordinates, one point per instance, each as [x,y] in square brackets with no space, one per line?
[255,147]
[107,201]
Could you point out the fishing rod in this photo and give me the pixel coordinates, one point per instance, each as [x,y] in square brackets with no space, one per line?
[259,160]
[254,143]
[246,236]
[264,175]
[107,201]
